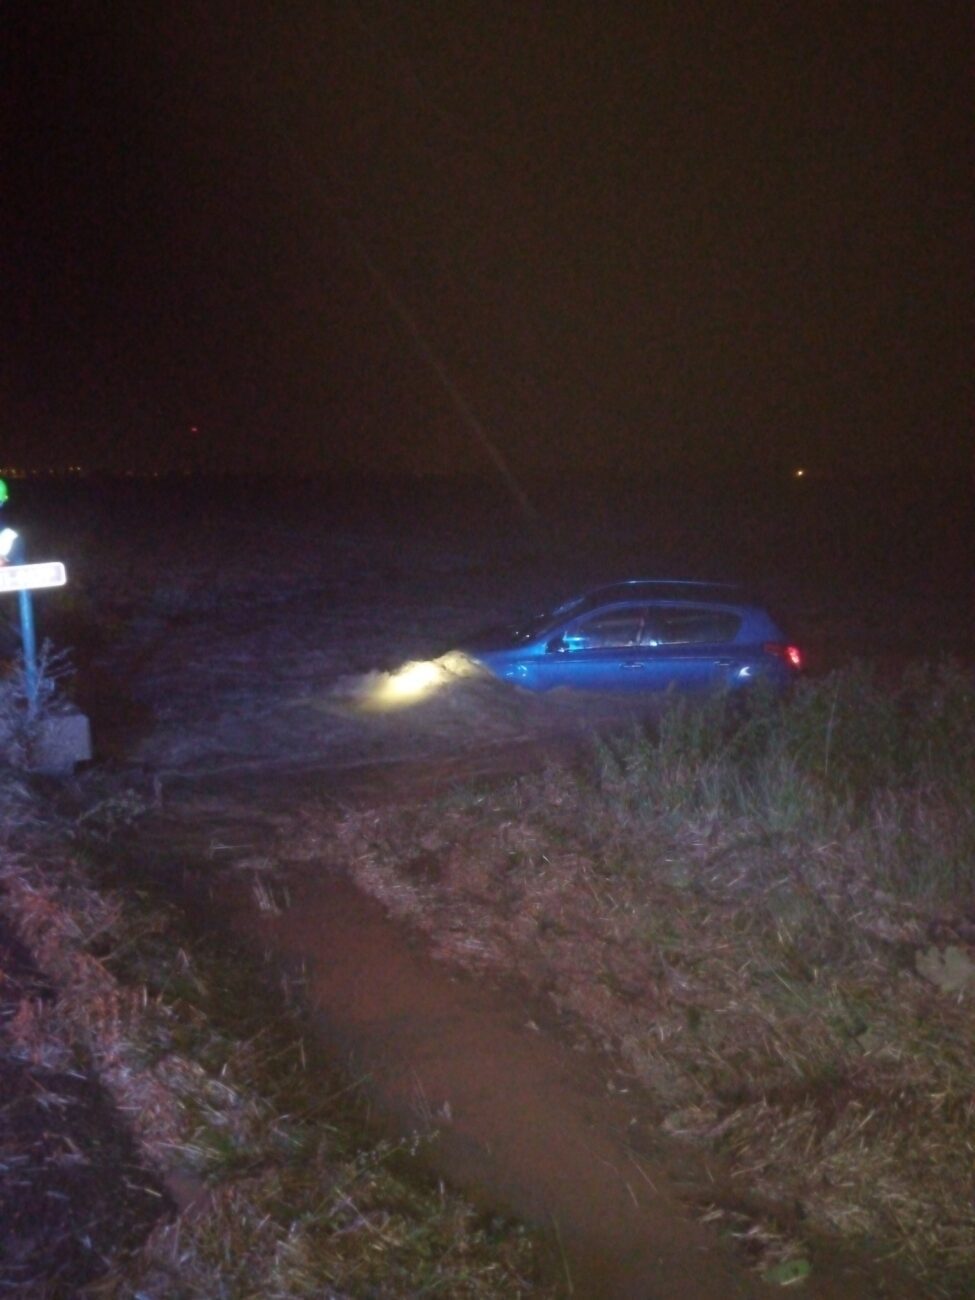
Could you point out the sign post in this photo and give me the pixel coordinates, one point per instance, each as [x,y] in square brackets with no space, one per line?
[24,578]
[29,643]
[62,738]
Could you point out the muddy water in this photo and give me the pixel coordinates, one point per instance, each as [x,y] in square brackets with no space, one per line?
[519,1118]
[522,1122]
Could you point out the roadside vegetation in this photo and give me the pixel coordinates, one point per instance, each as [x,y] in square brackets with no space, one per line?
[766,917]
[216,1156]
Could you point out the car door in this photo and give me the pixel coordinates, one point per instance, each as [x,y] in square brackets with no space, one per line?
[599,651]
[691,647]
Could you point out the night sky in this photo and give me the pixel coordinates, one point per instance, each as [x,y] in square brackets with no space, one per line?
[618,235]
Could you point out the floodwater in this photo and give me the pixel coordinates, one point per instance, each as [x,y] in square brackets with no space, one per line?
[221,667]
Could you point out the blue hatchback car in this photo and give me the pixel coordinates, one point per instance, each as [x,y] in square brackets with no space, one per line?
[644,635]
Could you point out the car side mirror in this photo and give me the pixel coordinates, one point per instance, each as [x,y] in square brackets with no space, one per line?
[556,645]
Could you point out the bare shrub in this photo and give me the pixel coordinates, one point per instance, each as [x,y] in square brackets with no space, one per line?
[22,711]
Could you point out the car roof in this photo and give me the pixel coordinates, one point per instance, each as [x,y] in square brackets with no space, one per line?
[659,589]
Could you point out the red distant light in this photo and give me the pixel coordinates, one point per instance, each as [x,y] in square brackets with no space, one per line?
[792,653]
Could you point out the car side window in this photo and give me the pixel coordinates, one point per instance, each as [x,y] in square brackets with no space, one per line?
[607,629]
[695,626]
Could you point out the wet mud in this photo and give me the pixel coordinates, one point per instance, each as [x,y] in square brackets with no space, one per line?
[509,1109]
[518,1118]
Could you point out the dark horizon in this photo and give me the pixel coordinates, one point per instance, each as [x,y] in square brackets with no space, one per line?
[458,239]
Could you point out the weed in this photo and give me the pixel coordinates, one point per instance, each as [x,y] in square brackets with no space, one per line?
[842,760]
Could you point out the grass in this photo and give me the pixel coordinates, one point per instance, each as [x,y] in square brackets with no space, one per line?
[293,1194]
[767,915]
[890,771]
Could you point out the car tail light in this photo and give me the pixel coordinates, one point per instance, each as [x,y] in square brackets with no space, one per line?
[790,653]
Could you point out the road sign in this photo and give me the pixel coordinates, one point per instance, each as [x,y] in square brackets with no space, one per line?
[26,577]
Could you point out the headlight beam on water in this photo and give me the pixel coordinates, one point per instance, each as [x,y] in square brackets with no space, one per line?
[416,681]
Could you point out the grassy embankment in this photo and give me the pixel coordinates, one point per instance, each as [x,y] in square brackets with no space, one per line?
[768,918]
[290,1193]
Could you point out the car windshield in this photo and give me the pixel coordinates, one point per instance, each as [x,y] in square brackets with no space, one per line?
[538,624]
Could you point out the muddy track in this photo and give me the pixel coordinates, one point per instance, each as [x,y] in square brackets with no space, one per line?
[520,1118]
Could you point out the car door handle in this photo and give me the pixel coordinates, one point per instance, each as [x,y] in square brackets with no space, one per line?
[723,663]
[636,664]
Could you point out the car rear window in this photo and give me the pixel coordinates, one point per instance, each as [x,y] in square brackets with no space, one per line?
[691,626]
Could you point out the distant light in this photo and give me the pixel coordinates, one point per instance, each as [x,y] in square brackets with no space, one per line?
[800,473]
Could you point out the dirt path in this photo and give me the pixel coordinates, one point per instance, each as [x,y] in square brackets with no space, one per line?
[519,1120]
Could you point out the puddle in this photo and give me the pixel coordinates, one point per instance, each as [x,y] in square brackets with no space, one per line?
[519,1118]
